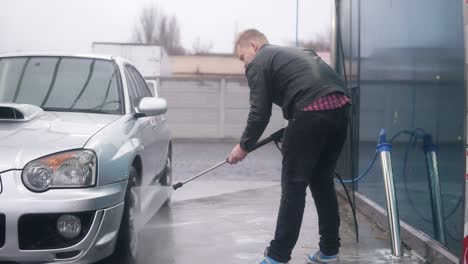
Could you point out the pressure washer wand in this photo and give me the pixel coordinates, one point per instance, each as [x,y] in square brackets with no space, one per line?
[180,184]
[277,136]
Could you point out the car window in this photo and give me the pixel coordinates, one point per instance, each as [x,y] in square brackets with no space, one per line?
[132,89]
[144,90]
[61,83]
[152,87]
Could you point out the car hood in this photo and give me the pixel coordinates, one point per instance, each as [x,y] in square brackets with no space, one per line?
[51,132]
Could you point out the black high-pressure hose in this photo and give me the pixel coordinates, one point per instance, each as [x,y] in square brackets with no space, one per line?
[353,209]
[341,49]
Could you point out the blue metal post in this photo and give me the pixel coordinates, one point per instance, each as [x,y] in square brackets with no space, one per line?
[385,149]
[430,151]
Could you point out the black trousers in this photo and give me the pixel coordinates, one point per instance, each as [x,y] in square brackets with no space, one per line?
[311,147]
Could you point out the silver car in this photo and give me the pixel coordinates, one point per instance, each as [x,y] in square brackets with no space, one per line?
[84,149]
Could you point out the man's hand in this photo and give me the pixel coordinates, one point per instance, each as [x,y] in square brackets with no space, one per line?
[237,154]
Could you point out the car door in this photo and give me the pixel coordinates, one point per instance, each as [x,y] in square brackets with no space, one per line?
[156,139]
[143,125]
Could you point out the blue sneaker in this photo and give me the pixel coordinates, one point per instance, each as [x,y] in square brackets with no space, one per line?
[319,257]
[268,260]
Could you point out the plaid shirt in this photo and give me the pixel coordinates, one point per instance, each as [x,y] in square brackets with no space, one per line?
[328,102]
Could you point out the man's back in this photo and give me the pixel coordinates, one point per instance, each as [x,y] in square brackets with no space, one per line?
[296,77]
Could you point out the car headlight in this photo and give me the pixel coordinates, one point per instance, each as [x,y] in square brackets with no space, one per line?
[71,169]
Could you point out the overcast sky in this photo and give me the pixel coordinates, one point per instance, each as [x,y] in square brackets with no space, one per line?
[72,25]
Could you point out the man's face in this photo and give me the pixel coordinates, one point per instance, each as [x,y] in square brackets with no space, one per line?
[246,53]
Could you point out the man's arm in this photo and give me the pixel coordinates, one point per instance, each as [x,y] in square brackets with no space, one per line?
[260,112]
[260,105]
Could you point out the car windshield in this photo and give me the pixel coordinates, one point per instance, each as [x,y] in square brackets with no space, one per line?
[66,84]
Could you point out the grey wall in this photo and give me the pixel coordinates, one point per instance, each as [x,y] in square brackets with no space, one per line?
[210,107]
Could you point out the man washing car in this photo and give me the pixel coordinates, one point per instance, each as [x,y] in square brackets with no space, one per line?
[315,103]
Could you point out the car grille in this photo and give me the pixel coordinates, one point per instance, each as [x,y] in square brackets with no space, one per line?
[2,230]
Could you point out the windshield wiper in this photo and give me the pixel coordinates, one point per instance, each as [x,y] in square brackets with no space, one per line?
[108,89]
[52,83]
[75,110]
[99,107]
[91,71]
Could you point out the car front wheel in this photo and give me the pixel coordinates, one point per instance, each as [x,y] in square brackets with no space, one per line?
[127,241]
[167,177]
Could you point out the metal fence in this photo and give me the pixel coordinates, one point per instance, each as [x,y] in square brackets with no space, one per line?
[210,107]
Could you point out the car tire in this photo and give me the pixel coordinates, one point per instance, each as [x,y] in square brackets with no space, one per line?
[167,177]
[126,249]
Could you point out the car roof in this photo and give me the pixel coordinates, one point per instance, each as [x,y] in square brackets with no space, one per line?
[57,54]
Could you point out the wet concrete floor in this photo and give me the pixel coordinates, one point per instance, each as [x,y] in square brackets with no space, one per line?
[229,215]
[235,228]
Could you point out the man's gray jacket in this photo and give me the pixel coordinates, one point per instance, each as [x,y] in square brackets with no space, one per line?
[291,78]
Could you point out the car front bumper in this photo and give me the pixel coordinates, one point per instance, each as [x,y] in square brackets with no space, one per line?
[106,202]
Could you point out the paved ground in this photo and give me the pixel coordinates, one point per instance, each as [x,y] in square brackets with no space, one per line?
[235,228]
[229,215]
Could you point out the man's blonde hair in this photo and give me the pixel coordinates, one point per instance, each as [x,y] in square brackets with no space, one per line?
[250,35]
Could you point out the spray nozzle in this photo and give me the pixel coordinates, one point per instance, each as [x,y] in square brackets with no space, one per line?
[383,145]
[429,145]
[382,136]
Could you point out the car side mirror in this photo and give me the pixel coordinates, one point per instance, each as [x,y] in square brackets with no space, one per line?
[151,106]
